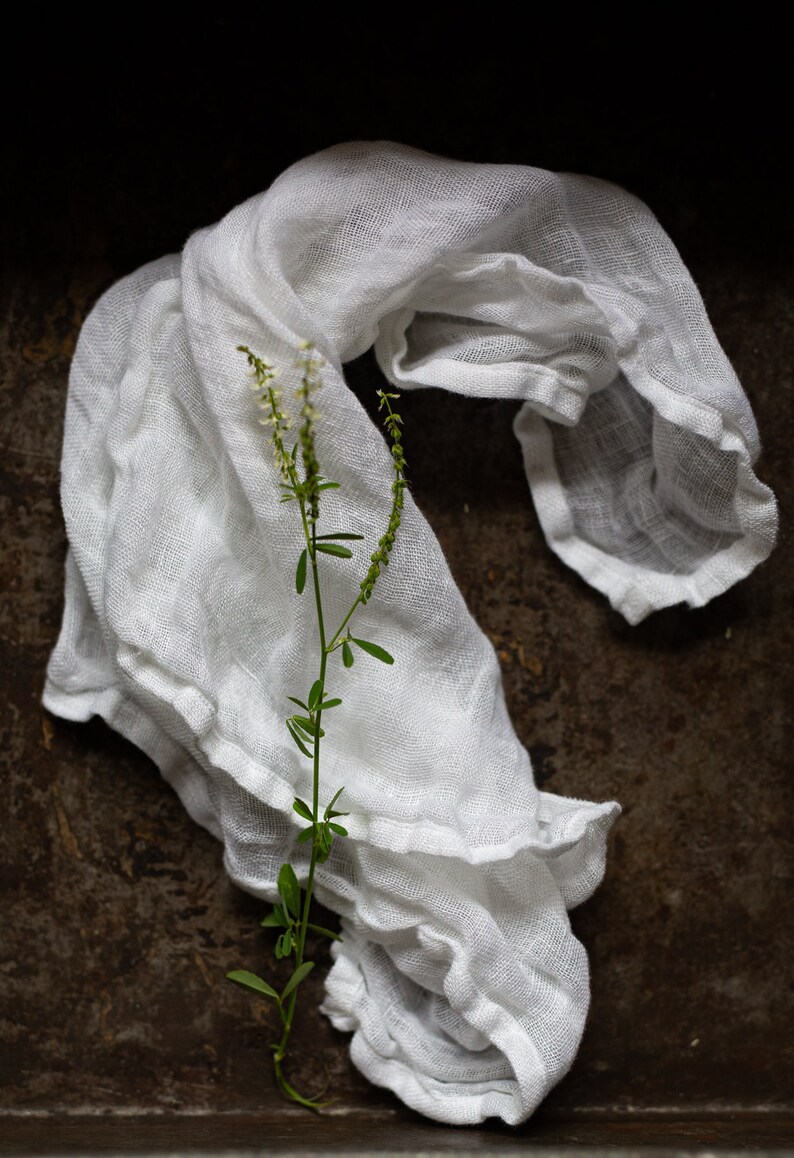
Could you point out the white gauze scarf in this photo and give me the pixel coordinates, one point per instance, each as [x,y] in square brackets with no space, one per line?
[459,977]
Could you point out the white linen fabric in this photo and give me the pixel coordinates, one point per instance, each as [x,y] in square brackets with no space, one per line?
[459,976]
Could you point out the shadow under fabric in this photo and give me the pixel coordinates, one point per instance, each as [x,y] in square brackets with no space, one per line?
[459,977]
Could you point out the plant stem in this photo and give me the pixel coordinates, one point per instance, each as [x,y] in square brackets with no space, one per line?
[310,534]
[292,914]
[343,624]
[293,997]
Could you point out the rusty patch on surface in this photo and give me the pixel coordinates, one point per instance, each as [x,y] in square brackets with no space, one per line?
[68,841]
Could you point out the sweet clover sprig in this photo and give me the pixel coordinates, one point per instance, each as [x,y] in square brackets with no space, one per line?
[303,484]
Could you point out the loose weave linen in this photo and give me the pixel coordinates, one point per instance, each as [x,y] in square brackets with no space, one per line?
[459,977]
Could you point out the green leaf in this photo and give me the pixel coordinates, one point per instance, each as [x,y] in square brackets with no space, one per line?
[373,649]
[307,834]
[326,704]
[309,1103]
[333,801]
[294,455]
[294,733]
[287,498]
[347,654]
[314,694]
[326,838]
[248,980]
[332,486]
[299,975]
[340,535]
[275,920]
[289,890]
[325,932]
[280,950]
[300,703]
[331,812]
[334,549]
[337,828]
[300,574]
[308,726]
[302,809]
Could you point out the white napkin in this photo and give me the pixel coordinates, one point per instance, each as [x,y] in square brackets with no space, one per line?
[459,976]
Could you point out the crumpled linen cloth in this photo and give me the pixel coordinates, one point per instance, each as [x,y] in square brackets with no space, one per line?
[459,977]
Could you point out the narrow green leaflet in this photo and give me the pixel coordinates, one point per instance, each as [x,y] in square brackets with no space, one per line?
[373,649]
[300,973]
[275,920]
[300,574]
[294,733]
[335,549]
[325,932]
[309,1103]
[307,834]
[248,980]
[289,890]
[300,703]
[337,827]
[326,704]
[347,654]
[333,801]
[347,535]
[302,809]
[314,694]
[308,726]
[325,841]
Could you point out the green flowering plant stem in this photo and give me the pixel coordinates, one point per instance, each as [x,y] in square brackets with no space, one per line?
[303,484]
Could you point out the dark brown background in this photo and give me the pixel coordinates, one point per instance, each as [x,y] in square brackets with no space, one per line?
[118,922]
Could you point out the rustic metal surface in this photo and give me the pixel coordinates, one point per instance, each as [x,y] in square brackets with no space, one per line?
[119,924]
[238,1135]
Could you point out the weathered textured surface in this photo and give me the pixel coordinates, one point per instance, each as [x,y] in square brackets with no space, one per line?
[118,922]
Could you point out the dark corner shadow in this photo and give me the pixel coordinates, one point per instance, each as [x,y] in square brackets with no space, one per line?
[97,738]
[458,447]
[679,628]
